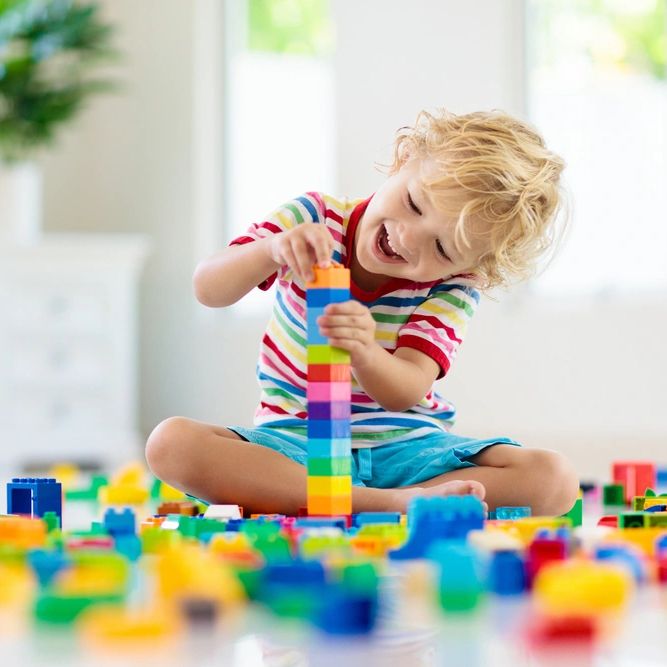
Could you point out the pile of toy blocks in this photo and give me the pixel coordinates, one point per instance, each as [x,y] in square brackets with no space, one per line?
[328,395]
[203,561]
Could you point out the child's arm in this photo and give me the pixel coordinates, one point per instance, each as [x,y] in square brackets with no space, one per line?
[225,278]
[395,381]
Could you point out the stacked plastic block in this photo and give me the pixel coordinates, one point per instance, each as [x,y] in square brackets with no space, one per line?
[328,396]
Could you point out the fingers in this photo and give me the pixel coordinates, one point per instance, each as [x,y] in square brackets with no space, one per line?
[304,258]
[322,244]
[304,246]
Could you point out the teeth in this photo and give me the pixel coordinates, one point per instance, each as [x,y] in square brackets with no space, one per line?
[391,245]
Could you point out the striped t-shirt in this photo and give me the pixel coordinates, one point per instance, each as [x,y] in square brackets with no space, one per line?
[431,317]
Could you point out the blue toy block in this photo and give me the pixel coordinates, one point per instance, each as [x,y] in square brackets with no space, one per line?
[234,525]
[321,297]
[119,522]
[344,613]
[329,430]
[34,496]
[656,508]
[329,447]
[365,518]
[627,558]
[460,582]
[46,564]
[432,519]
[512,513]
[314,335]
[129,545]
[661,545]
[321,522]
[507,574]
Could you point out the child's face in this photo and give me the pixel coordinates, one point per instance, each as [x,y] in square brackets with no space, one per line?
[403,235]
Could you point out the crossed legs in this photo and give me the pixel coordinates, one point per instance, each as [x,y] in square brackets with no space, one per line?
[213,463]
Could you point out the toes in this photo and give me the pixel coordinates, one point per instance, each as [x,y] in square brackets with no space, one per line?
[465,487]
[476,489]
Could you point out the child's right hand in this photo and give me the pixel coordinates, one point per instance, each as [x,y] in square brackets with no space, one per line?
[301,247]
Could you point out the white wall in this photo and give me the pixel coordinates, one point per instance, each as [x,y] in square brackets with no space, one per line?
[584,376]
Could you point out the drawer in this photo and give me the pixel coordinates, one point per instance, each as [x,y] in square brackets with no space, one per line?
[64,360]
[58,412]
[61,306]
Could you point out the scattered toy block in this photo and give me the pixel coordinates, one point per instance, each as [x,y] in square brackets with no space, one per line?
[223,512]
[34,496]
[635,476]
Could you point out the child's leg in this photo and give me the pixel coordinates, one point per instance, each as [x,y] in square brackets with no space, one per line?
[513,476]
[213,463]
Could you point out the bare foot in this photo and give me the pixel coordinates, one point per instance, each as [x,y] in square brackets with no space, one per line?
[453,488]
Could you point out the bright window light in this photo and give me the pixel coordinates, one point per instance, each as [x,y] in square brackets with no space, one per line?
[597,90]
[280,132]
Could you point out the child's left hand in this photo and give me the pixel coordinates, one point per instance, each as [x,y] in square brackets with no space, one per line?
[350,326]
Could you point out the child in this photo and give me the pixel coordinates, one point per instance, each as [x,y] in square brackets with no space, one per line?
[469,204]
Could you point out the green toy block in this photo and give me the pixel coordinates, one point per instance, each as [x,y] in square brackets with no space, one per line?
[613,494]
[325,354]
[576,513]
[154,539]
[51,520]
[360,578]
[330,467]
[89,493]
[657,519]
[632,520]
[638,503]
[63,609]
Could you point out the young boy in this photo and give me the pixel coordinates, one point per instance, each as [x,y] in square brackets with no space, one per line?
[469,204]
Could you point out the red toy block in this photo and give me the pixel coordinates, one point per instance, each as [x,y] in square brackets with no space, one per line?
[636,477]
[610,520]
[542,551]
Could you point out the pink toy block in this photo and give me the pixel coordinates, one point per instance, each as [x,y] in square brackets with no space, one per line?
[328,391]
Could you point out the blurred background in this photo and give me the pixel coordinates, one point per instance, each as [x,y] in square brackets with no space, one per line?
[190,120]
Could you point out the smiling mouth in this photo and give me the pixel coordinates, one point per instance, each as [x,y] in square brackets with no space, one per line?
[385,247]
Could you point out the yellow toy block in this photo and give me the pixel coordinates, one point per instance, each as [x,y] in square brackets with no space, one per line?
[330,505]
[167,492]
[122,494]
[643,538]
[111,624]
[525,528]
[189,571]
[582,588]
[338,485]
[66,473]
[337,276]
[132,474]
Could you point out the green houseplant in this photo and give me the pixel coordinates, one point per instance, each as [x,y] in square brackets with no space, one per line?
[49,52]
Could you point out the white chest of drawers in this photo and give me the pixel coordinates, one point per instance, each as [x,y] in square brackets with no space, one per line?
[68,349]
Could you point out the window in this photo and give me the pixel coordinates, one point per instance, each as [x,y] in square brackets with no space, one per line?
[597,90]
[280,108]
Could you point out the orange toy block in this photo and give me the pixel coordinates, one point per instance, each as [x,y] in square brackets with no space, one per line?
[330,506]
[335,276]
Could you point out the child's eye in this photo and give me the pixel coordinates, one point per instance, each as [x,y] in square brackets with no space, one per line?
[413,206]
[441,251]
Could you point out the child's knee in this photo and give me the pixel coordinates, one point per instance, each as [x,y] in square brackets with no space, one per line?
[559,482]
[164,443]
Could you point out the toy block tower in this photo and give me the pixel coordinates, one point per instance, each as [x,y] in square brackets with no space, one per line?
[328,395]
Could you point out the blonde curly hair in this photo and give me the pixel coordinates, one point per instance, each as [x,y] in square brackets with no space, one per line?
[508,178]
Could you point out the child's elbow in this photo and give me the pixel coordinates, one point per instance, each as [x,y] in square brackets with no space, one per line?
[204,290]
[398,403]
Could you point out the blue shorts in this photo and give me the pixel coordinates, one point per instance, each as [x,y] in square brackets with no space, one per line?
[385,466]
